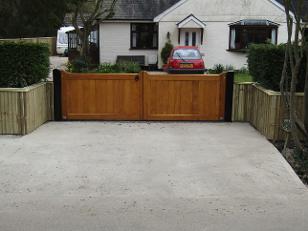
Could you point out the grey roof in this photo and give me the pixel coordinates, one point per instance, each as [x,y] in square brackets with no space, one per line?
[149,9]
[140,9]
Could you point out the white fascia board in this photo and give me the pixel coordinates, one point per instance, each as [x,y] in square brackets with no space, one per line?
[166,12]
[191,18]
[280,6]
[126,21]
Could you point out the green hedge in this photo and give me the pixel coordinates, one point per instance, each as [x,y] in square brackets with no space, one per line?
[265,62]
[23,64]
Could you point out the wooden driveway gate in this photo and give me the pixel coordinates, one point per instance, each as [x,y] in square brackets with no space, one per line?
[143,96]
[101,97]
[184,97]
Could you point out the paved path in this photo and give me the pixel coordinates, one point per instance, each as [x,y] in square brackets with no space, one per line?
[148,176]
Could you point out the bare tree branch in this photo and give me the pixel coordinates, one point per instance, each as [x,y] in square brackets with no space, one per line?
[89,11]
[293,58]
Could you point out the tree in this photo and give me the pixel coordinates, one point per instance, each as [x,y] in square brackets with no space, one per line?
[295,57]
[31,18]
[89,11]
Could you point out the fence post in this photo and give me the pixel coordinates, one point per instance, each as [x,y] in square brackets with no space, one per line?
[57,95]
[229,96]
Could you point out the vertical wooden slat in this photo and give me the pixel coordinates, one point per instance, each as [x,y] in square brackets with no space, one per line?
[50,100]
[262,108]
[100,96]
[184,97]
[23,110]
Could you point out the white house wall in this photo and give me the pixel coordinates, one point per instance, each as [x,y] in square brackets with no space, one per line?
[217,14]
[115,41]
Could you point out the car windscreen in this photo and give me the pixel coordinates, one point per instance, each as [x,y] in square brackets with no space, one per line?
[187,54]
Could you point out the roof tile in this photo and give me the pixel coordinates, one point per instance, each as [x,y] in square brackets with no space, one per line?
[140,9]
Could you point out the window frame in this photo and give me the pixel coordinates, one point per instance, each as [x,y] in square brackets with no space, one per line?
[187,38]
[154,33]
[306,33]
[267,27]
[194,38]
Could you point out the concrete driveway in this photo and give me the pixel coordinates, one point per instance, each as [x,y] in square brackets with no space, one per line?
[147,176]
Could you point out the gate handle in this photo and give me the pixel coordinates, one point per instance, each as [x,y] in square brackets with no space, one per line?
[137,78]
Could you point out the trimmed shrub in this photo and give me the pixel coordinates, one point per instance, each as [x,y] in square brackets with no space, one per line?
[78,65]
[23,64]
[217,69]
[106,68]
[165,53]
[123,67]
[229,68]
[265,62]
[128,67]
[220,68]
[243,70]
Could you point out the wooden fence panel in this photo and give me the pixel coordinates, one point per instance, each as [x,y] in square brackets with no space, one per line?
[101,96]
[10,112]
[263,109]
[22,110]
[184,97]
[37,107]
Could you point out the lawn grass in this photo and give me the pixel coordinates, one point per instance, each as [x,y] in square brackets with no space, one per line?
[242,77]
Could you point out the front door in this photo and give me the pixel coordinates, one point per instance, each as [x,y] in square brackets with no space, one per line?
[190,37]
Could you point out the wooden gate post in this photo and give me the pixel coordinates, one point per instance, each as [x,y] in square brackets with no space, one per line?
[57,95]
[229,96]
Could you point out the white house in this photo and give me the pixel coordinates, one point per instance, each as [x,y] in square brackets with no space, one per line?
[222,29]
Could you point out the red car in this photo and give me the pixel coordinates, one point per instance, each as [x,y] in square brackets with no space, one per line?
[185,60]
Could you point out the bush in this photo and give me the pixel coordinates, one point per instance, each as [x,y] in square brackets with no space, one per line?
[123,67]
[106,68]
[243,70]
[78,65]
[128,67]
[229,68]
[23,64]
[165,53]
[217,69]
[265,62]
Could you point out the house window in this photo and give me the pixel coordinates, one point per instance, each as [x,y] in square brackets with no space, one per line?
[73,40]
[306,33]
[244,33]
[186,38]
[144,36]
[190,37]
[194,38]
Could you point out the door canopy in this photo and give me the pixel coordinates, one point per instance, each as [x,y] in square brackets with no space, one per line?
[191,22]
[191,30]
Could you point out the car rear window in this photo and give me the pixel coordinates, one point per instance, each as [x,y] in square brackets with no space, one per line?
[186,54]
